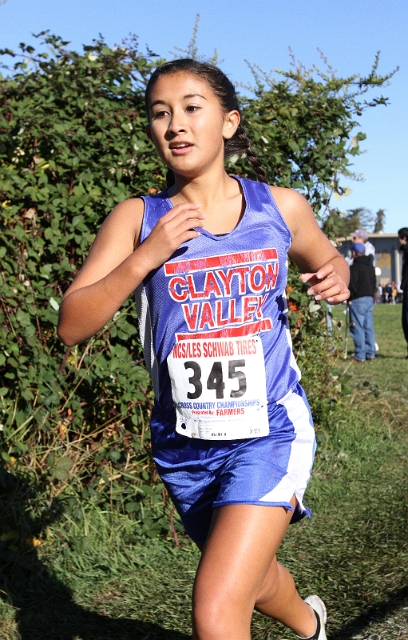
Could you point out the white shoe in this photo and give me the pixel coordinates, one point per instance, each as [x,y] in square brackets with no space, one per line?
[321,616]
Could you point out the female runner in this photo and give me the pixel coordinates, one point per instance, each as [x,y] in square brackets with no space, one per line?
[232,434]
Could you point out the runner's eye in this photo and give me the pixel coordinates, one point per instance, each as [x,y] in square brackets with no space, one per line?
[159,114]
[192,108]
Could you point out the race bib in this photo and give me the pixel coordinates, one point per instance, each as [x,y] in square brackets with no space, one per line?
[219,388]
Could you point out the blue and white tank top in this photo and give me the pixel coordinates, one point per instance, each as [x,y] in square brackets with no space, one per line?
[216,288]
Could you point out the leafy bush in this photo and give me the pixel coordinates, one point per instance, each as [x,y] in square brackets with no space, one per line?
[73,145]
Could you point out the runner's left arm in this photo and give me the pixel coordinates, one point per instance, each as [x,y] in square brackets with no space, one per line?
[322,266]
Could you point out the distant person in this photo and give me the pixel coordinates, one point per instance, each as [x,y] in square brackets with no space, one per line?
[403,238]
[399,292]
[362,287]
[384,294]
[394,292]
[379,294]
[360,235]
[388,293]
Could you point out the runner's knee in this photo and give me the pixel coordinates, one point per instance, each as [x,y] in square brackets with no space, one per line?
[218,612]
[217,619]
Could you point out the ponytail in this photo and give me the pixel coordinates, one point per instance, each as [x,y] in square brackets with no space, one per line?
[240,145]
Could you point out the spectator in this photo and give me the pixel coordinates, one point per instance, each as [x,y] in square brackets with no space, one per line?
[388,293]
[361,236]
[362,291]
[394,292]
[384,294]
[399,292]
[403,240]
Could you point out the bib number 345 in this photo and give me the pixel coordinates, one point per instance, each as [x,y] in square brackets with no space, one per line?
[215,381]
[219,388]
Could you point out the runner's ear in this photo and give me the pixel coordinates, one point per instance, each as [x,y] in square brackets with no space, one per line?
[231,123]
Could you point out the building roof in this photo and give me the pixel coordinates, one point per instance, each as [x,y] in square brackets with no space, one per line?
[370,235]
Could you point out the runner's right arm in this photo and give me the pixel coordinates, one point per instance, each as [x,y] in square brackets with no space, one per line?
[118,263]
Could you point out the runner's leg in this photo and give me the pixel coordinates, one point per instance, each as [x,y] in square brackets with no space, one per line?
[238,571]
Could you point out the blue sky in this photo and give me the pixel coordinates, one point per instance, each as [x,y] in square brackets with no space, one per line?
[349,32]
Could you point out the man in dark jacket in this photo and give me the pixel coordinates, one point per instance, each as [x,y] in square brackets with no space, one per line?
[403,240]
[361,303]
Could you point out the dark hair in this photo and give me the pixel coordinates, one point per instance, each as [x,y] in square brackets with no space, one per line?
[403,233]
[225,91]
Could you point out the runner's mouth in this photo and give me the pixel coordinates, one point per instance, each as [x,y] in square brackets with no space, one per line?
[179,148]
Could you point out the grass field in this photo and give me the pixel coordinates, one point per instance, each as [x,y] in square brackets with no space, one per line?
[99,581]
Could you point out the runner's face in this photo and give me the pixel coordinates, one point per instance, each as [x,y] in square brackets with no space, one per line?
[187,124]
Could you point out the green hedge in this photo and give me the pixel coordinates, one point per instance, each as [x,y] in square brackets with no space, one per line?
[73,145]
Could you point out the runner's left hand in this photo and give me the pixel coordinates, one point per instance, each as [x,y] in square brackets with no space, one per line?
[326,284]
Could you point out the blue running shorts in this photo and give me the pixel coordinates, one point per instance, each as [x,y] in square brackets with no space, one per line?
[201,475]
